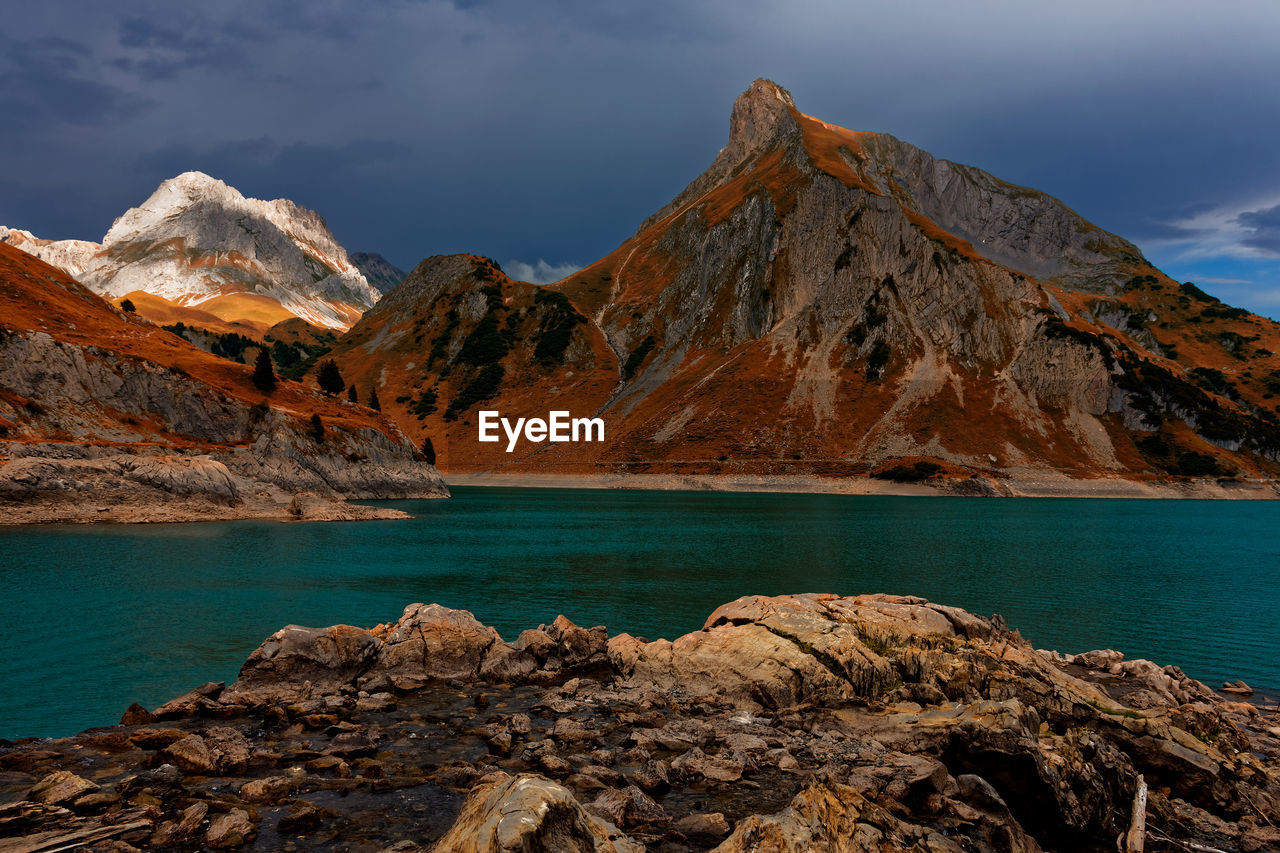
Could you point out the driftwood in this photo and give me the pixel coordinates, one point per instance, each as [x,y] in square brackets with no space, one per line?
[1136,838]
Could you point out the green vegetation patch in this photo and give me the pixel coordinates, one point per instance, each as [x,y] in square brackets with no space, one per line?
[555,332]
[1225,312]
[1194,292]
[1172,459]
[483,386]
[487,344]
[425,404]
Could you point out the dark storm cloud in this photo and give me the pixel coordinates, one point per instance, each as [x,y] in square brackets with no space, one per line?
[545,132]
[48,83]
[264,162]
[1264,229]
[161,51]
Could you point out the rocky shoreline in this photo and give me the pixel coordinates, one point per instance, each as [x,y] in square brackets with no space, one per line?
[52,483]
[796,723]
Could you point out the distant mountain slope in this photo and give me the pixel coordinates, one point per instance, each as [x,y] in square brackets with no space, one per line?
[196,240]
[379,272]
[73,257]
[102,410]
[838,303]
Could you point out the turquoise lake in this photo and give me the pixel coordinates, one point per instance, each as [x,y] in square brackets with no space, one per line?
[98,617]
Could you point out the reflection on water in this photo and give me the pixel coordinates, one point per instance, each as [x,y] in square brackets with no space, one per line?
[95,618]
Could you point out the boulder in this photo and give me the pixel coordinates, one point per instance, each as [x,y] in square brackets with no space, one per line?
[697,764]
[536,642]
[506,664]
[230,830]
[268,790]
[434,643]
[704,828]
[530,814]
[192,755]
[136,715]
[202,700]
[575,645]
[60,787]
[295,663]
[631,808]
[229,747]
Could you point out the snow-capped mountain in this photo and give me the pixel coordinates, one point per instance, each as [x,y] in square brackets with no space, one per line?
[71,256]
[198,241]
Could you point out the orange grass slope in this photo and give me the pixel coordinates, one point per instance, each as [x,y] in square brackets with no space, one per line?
[162,312]
[36,297]
[832,303]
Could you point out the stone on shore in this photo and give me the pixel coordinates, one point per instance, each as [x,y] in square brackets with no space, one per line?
[530,814]
[61,787]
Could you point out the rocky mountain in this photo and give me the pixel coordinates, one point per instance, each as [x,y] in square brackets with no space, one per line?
[377,270]
[791,724]
[105,417]
[71,256]
[198,242]
[823,302]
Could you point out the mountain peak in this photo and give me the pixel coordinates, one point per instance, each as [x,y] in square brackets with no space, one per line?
[193,186]
[757,113]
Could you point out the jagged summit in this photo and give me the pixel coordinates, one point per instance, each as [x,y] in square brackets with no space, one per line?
[757,113]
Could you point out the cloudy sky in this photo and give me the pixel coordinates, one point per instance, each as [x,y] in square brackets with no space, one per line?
[541,134]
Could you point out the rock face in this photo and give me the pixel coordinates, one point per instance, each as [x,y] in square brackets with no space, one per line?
[794,723]
[377,270]
[837,303]
[106,417]
[197,241]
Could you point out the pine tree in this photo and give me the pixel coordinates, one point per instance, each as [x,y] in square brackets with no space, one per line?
[352,394]
[127,306]
[317,428]
[428,451]
[329,377]
[373,400]
[264,373]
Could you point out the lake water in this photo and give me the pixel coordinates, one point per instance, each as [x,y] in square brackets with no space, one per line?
[98,617]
